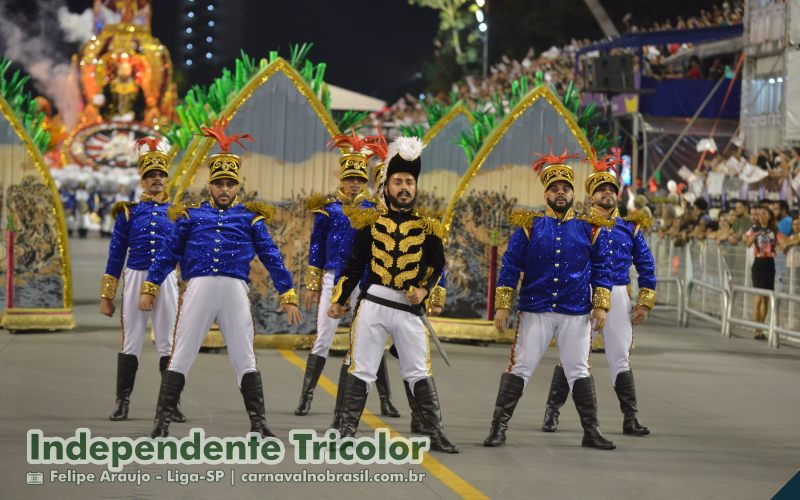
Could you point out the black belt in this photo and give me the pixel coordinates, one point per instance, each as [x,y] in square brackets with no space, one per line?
[415,310]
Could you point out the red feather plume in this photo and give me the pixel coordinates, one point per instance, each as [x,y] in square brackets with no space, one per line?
[604,164]
[551,158]
[352,141]
[150,142]
[217,131]
[378,145]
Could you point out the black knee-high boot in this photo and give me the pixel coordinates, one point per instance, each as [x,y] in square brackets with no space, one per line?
[314,367]
[337,409]
[586,403]
[354,398]
[626,393]
[253,395]
[416,420]
[126,376]
[177,415]
[168,395]
[559,392]
[511,387]
[430,411]
[382,384]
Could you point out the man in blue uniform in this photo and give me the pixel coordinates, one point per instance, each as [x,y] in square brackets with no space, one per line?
[139,230]
[628,246]
[563,260]
[331,240]
[403,254]
[215,243]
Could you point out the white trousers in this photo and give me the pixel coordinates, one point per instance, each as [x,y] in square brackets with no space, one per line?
[534,332]
[210,298]
[134,321]
[326,326]
[371,326]
[618,332]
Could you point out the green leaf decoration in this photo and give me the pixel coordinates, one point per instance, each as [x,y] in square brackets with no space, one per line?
[23,105]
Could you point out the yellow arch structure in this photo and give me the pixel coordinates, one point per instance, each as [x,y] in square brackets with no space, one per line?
[455,111]
[198,149]
[43,318]
[499,132]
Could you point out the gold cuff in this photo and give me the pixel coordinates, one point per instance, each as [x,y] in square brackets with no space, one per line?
[503,297]
[108,287]
[647,298]
[288,298]
[149,289]
[438,296]
[314,279]
[337,290]
[601,298]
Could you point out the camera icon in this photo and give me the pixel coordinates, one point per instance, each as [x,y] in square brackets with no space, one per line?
[34,478]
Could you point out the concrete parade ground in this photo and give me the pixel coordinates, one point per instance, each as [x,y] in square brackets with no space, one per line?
[723,415]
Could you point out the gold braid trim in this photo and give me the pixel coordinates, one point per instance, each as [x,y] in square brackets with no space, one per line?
[438,296]
[384,257]
[387,241]
[647,298]
[407,243]
[337,290]
[428,224]
[149,288]
[314,279]
[122,206]
[401,278]
[601,298]
[289,297]
[363,217]
[178,210]
[262,210]
[388,224]
[404,260]
[316,202]
[503,297]
[108,287]
[386,276]
[597,220]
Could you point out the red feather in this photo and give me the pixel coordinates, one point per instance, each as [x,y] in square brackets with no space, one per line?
[150,142]
[217,131]
[604,164]
[378,144]
[551,158]
[352,142]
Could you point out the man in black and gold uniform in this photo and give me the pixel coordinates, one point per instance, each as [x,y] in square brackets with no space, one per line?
[403,254]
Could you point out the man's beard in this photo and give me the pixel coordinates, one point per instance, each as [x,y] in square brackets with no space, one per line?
[560,210]
[606,205]
[392,201]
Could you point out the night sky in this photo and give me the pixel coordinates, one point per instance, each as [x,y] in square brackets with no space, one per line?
[379,46]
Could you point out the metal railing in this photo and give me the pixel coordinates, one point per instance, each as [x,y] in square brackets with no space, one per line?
[714,283]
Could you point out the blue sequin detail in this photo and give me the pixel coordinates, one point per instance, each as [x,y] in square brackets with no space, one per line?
[560,264]
[140,236]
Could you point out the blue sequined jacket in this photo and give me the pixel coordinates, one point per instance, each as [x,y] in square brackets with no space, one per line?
[562,261]
[628,247]
[332,235]
[139,230]
[209,241]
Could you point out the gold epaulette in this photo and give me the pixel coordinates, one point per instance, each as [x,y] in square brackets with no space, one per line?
[432,225]
[122,206]
[524,220]
[597,220]
[178,210]
[362,217]
[316,203]
[640,219]
[262,210]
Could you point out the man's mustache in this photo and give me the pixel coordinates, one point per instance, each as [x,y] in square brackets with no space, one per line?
[401,193]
